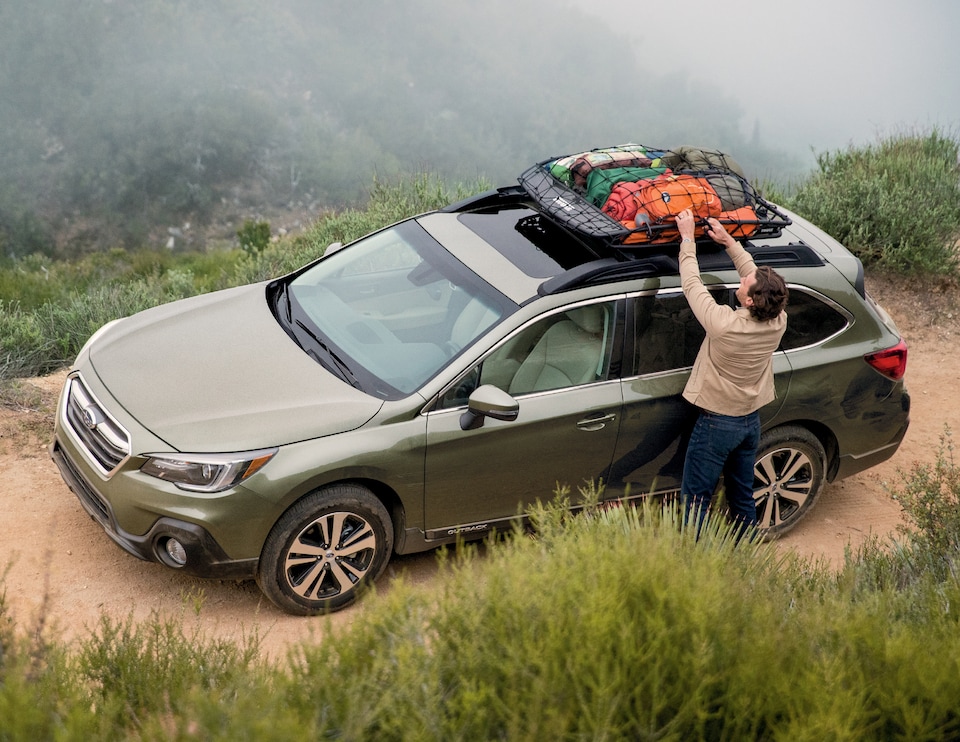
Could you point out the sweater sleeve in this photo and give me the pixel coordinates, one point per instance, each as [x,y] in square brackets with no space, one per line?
[709,314]
[712,316]
[742,260]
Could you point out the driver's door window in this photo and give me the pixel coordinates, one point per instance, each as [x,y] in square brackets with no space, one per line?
[565,349]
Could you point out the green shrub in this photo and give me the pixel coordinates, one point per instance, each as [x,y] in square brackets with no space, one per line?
[388,202]
[930,496]
[143,666]
[611,625]
[254,236]
[895,204]
[927,554]
[25,347]
[617,626]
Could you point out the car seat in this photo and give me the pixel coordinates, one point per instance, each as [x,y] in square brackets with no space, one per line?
[475,318]
[569,353]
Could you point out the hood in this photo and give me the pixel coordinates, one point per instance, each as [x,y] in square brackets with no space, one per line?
[217,373]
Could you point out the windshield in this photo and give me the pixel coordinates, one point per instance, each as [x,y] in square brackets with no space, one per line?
[388,312]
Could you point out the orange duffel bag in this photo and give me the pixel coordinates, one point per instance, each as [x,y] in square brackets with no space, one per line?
[665,196]
[740,223]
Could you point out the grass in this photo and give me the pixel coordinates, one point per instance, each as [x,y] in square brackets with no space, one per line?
[614,624]
[895,204]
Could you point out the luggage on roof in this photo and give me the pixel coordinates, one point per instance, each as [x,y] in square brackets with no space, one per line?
[629,195]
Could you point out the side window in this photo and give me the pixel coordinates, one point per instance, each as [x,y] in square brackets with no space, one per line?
[809,321]
[565,349]
[667,334]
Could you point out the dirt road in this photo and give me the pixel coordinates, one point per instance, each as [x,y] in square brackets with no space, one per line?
[58,564]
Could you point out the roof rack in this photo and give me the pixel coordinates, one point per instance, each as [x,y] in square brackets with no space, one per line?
[576,191]
[660,263]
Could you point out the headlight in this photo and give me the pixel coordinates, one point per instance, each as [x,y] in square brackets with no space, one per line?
[206,472]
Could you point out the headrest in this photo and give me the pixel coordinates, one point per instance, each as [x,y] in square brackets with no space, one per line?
[589,319]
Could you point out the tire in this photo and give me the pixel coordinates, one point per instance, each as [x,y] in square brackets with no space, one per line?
[326,550]
[788,478]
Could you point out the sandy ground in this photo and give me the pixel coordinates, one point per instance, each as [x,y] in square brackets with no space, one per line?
[62,573]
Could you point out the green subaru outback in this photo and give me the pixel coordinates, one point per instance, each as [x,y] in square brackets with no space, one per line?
[429,381]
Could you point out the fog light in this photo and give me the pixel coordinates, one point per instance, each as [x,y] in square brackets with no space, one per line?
[176,552]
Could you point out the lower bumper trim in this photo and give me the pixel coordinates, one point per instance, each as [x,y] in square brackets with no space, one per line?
[205,557]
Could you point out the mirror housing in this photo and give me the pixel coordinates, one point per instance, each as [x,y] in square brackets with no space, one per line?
[488,401]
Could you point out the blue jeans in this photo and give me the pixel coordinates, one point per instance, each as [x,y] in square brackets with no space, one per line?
[720,444]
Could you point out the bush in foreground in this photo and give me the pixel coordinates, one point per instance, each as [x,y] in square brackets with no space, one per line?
[612,625]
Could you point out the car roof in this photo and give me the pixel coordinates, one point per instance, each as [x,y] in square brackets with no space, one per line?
[506,239]
[482,256]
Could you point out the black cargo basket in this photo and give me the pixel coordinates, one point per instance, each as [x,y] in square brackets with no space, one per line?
[567,204]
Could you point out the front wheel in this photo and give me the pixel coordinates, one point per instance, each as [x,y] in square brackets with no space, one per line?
[325,550]
[788,478]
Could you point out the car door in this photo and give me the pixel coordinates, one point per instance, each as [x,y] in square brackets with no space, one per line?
[563,370]
[665,338]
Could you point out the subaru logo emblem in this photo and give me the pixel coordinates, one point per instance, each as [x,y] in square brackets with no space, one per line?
[91,417]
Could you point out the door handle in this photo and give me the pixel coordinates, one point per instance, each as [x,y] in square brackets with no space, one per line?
[596,423]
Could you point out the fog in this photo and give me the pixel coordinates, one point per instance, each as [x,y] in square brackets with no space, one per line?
[809,76]
[119,118]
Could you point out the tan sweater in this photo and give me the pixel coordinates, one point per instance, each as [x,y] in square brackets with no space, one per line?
[733,373]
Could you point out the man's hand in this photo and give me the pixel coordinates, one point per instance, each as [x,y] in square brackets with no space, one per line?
[686,225]
[718,234]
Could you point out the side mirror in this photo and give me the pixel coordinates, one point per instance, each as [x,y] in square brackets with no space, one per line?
[332,248]
[488,401]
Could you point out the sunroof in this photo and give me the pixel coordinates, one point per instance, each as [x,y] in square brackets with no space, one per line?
[535,245]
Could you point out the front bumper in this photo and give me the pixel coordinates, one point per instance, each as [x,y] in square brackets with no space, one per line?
[205,557]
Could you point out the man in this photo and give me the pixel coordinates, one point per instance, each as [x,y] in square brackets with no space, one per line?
[732,377]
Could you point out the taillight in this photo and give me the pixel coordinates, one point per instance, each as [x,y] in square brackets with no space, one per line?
[891,362]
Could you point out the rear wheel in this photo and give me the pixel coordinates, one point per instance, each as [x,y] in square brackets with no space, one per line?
[788,478]
[325,550]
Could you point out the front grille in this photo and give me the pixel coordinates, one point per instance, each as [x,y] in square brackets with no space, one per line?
[103,439]
[92,501]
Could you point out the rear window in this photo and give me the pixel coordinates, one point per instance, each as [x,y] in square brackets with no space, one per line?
[668,335]
[810,320]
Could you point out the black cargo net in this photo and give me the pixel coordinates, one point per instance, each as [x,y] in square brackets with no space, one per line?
[629,195]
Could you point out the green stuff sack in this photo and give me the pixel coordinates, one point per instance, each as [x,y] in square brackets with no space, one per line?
[601,182]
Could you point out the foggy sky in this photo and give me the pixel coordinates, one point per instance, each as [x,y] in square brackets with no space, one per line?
[816,74]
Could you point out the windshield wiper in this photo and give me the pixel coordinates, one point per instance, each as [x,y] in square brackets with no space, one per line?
[341,367]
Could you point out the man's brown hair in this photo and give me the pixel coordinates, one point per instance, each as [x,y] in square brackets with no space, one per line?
[769,294]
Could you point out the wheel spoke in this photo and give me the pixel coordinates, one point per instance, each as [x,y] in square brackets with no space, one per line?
[305,584]
[305,549]
[796,462]
[776,511]
[359,541]
[765,505]
[766,470]
[798,492]
[331,526]
[345,574]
